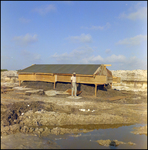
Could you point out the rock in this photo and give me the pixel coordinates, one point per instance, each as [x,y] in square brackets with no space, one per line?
[46,131]
[13,80]
[41,129]
[15,127]
[36,129]
[118,142]
[140,130]
[109,142]
[128,78]
[104,142]
[51,92]
[131,143]
[7,79]
[31,129]
[56,131]
[5,129]
[112,143]
[25,129]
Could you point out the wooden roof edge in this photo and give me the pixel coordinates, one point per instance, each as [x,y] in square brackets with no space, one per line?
[27,67]
[53,73]
[107,65]
[97,70]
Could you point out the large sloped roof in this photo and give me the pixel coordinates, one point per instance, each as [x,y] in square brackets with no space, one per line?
[87,69]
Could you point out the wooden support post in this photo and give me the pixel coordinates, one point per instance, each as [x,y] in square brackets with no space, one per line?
[111,85]
[54,85]
[55,80]
[19,82]
[95,90]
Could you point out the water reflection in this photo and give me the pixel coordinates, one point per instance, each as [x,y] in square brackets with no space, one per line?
[104,132]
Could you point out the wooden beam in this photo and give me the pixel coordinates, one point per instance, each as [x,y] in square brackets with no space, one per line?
[19,82]
[107,65]
[96,90]
[111,85]
[96,70]
[54,85]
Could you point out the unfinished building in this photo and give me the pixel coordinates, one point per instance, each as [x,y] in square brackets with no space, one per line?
[96,74]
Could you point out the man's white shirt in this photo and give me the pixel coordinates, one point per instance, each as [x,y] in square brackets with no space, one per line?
[73,79]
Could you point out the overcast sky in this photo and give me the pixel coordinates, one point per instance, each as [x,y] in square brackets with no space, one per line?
[74,32]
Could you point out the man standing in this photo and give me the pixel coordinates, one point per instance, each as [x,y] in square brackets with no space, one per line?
[73,85]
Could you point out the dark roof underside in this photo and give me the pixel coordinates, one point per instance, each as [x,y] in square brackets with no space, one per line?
[87,69]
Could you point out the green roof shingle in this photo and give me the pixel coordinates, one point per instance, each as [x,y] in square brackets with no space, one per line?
[87,69]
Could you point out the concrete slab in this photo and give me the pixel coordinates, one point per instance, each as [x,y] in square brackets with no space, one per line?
[77,97]
[54,92]
[35,91]
[21,88]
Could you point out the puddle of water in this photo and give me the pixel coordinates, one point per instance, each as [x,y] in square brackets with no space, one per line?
[88,140]
[81,140]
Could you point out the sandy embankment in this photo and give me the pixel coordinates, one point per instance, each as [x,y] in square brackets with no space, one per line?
[134,80]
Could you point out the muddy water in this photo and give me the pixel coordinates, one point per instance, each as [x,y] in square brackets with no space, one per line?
[81,140]
[88,140]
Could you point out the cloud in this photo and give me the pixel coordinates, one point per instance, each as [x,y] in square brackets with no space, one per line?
[107,51]
[73,57]
[93,59]
[118,62]
[139,14]
[115,58]
[98,27]
[45,9]
[136,40]
[84,38]
[84,55]
[25,40]
[31,57]
[23,20]
[99,60]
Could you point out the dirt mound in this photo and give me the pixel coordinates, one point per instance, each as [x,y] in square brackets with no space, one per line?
[87,89]
[13,111]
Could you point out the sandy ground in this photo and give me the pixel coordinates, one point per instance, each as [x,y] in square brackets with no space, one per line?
[41,115]
[50,114]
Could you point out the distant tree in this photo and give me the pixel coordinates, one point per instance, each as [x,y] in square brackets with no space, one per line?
[4,70]
[18,70]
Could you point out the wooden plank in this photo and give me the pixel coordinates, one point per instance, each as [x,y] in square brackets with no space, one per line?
[63,74]
[61,78]
[111,85]
[39,73]
[107,65]
[116,80]
[95,90]
[69,91]
[28,77]
[46,78]
[54,85]
[91,80]
[97,70]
